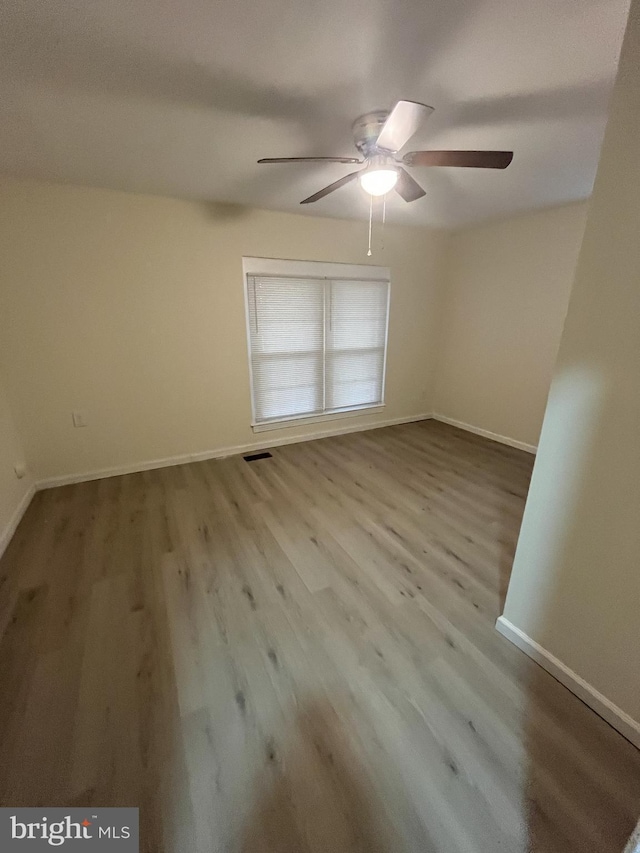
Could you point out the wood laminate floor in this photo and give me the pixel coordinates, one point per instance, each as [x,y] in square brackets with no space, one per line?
[299,654]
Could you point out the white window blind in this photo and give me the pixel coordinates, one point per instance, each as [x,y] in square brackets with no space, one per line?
[317,346]
[355,343]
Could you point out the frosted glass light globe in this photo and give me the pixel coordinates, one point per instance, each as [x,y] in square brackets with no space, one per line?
[378,181]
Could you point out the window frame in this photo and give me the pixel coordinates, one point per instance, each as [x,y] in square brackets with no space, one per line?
[318,271]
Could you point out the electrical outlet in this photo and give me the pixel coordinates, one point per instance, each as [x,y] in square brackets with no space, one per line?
[79,418]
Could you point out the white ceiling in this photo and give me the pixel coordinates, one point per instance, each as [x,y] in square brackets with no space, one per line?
[181,97]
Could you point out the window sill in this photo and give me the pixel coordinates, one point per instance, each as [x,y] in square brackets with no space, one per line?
[285,423]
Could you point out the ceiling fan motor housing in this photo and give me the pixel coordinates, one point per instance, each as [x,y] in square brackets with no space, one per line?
[366,130]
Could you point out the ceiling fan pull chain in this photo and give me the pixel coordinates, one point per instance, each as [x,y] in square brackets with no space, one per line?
[370,218]
[384,218]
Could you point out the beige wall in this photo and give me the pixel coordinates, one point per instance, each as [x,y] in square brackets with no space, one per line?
[504,300]
[12,490]
[575,587]
[131,308]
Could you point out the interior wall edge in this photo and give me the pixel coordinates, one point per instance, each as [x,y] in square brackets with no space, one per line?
[220,452]
[18,180]
[486,433]
[615,716]
[11,527]
[527,213]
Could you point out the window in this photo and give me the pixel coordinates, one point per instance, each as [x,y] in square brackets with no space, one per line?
[317,338]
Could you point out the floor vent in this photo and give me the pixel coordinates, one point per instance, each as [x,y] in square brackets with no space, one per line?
[254,456]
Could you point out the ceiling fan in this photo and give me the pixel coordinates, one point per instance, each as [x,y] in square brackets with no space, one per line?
[379,136]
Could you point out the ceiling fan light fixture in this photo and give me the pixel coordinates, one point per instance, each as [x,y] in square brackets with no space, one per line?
[378,181]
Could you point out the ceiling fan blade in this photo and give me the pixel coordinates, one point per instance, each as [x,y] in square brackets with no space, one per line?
[402,122]
[334,186]
[406,187]
[310,160]
[471,159]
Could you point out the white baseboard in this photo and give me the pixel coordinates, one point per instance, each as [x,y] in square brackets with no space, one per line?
[485,433]
[615,716]
[220,452]
[14,521]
